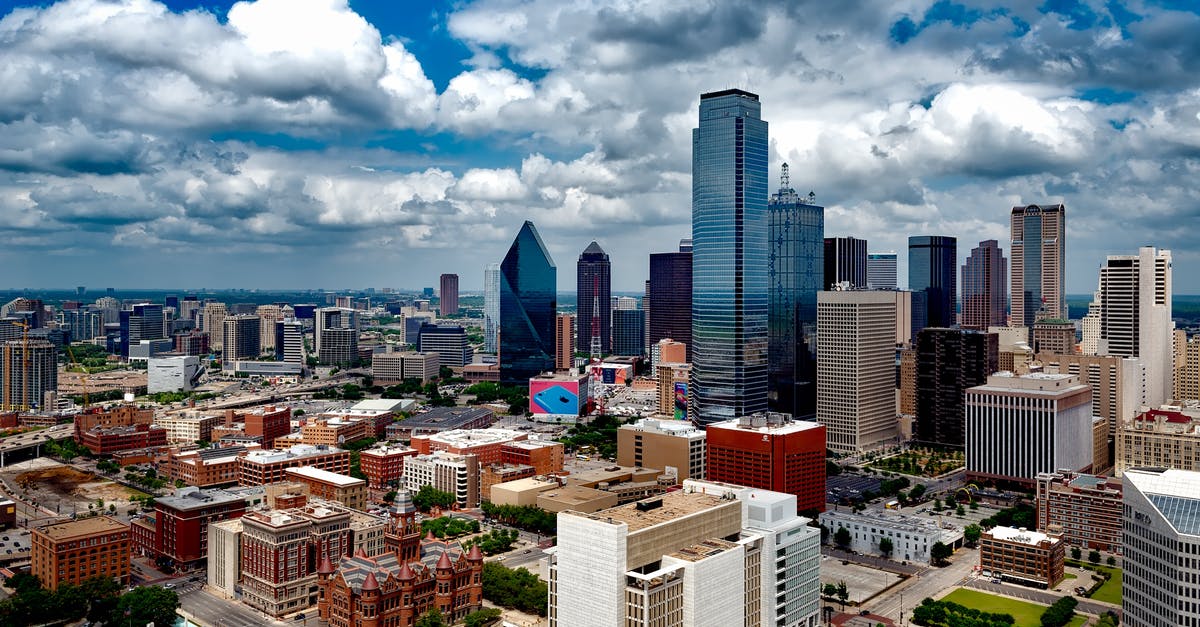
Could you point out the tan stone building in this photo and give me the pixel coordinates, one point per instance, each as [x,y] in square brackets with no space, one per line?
[661,444]
[331,486]
[1167,437]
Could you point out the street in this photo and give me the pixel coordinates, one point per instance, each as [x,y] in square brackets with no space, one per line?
[928,583]
[212,611]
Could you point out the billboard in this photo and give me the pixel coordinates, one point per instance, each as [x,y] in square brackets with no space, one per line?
[681,400]
[549,396]
[613,374]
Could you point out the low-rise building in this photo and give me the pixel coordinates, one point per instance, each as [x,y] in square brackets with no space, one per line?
[71,552]
[440,419]
[393,368]
[279,550]
[384,465]
[480,373]
[263,467]
[172,374]
[663,444]
[524,492]
[331,486]
[188,429]
[1084,510]
[1021,556]
[176,533]
[1167,437]
[501,473]
[912,537]
[206,468]
[109,440]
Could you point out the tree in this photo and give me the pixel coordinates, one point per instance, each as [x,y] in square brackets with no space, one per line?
[971,534]
[1094,556]
[428,497]
[829,590]
[959,511]
[517,589]
[146,604]
[481,618]
[937,505]
[390,497]
[885,547]
[940,552]
[432,618]
[1060,613]
[843,594]
[916,492]
[1076,553]
[841,537]
[832,469]
[1111,561]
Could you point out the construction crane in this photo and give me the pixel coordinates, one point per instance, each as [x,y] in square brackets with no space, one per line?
[83,379]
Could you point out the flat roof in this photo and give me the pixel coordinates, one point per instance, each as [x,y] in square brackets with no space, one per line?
[473,437]
[85,527]
[674,505]
[298,451]
[791,426]
[703,550]
[528,483]
[195,498]
[445,418]
[325,476]
[1021,536]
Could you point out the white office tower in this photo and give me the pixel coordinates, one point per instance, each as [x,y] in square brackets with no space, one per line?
[1089,342]
[268,315]
[289,340]
[1135,315]
[1160,544]
[709,555]
[491,307]
[856,368]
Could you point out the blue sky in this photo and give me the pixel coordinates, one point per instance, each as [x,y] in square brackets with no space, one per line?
[320,143]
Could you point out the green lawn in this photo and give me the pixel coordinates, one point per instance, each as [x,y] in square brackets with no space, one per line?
[1109,591]
[1024,613]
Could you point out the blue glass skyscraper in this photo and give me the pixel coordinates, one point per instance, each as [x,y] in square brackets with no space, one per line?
[796,267]
[528,288]
[729,258]
[933,269]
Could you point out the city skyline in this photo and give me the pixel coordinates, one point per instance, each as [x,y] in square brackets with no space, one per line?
[405,131]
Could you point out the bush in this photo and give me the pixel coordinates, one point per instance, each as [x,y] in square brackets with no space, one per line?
[1060,613]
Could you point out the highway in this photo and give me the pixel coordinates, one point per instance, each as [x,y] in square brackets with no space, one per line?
[33,439]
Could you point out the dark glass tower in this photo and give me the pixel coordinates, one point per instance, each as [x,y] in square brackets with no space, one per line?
[593,285]
[528,283]
[670,297]
[729,258]
[932,268]
[984,281]
[796,263]
[845,261]
[629,332]
[948,362]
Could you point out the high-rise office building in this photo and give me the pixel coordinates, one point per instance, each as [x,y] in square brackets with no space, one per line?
[213,322]
[594,289]
[628,332]
[1187,375]
[948,362]
[491,307]
[528,302]
[932,269]
[1135,315]
[881,271]
[845,261]
[984,277]
[856,369]
[797,235]
[28,369]
[564,341]
[289,341]
[1038,268]
[449,341]
[669,297]
[772,452]
[240,339]
[82,324]
[448,295]
[335,336]
[729,257]
[268,315]
[141,322]
[1158,547]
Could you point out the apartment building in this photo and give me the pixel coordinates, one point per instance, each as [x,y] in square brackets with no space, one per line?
[331,486]
[384,465]
[448,472]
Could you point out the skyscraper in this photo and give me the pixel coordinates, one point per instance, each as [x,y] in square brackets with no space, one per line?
[448,296]
[528,302]
[729,257]
[268,315]
[1135,315]
[1159,547]
[213,322]
[796,233]
[629,332]
[335,335]
[1038,271]
[142,322]
[845,261]
[856,368]
[27,371]
[881,271]
[491,307]
[289,341]
[932,269]
[564,341]
[241,339]
[670,296]
[983,280]
[593,285]
[948,362]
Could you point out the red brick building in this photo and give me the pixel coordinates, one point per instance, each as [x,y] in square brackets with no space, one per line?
[384,465]
[269,423]
[109,440]
[122,416]
[264,467]
[771,452]
[178,530]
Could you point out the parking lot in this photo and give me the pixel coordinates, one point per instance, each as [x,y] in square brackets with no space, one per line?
[862,582]
[849,487]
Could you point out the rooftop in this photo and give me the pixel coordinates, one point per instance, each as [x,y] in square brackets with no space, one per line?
[674,505]
[678,428]
[774,424]
[445,418]
[1034,384]
[388,450]
[85,527]
[703,550]
[194,498]
[325,476]
[299,451]
[528,483]
[1021,536]
[464,438]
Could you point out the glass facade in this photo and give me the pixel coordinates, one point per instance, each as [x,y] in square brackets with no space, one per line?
[796,267]
[593,285]
[933,269]
[984,279]
[528,283]
[491,306]
[1038,239]
[669,298]
[845,262]
[881,271]
[628,332]
[729,258]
